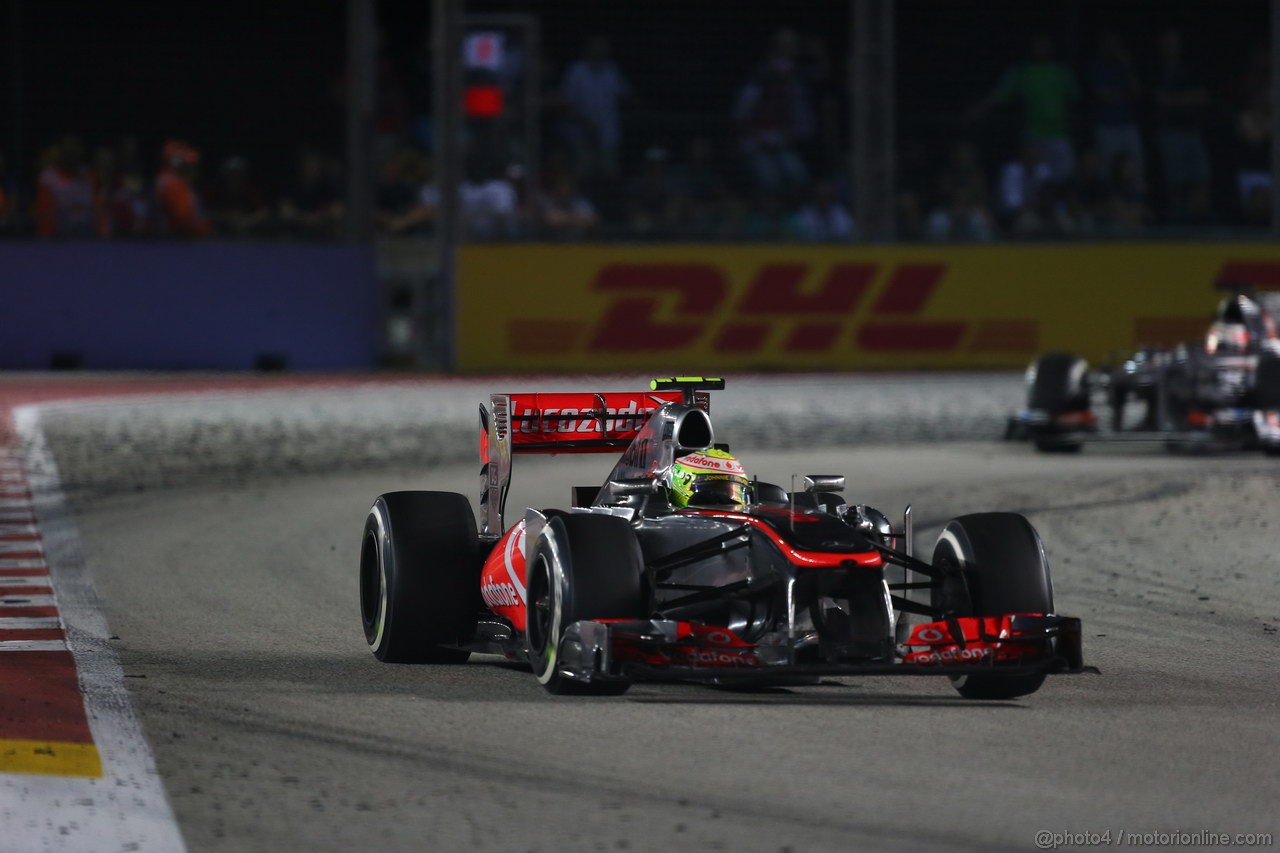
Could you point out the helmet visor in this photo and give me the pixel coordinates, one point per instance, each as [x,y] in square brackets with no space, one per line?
[712,490]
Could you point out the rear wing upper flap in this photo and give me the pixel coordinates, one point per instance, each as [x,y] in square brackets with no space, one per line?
[585,422]
[575,421]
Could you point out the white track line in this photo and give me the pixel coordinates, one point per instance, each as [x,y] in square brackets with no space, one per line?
[17,600]
[31,646]
[21,563]
[23,623]
[19,547]
[127,808]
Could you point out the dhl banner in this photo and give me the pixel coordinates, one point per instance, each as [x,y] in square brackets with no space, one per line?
[718,308]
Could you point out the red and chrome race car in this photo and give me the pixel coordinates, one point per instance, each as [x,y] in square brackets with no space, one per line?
[679,567]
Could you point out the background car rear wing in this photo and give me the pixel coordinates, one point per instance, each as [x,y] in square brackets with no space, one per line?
[569,422]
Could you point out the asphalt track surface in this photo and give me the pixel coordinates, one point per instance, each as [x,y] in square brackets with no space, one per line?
[234,603]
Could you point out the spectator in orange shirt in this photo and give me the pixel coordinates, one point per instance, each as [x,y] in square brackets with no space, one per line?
[178,205]
[64,193]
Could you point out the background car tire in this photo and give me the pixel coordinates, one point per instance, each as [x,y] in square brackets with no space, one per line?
[419,576]
[1266,392]
[1002,562]
[1060,386]
[583,566]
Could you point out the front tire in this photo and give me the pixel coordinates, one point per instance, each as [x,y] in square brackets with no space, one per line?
[583,566]
[1061,385]
[994,563]
[419,572]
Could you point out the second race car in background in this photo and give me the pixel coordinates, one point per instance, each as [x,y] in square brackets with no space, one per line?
[1222,391]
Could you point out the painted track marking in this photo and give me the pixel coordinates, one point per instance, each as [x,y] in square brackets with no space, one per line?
[76,772]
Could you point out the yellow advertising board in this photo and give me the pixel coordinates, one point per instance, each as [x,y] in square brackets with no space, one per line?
[721,308]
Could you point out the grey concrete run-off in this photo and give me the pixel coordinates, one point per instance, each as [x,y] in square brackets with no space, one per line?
[139,444]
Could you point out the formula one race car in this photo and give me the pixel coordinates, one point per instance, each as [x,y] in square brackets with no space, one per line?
[1223,391]
[680,567]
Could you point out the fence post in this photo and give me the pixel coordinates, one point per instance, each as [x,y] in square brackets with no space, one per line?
[446,21]
[871,91]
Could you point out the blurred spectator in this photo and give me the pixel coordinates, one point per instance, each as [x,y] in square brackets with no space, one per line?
[592,91]
[178,206]
[1182,106]
[824,219]
[105,172]
[1045,89]
[964,218]
[1115,88]
[564,213]
[127,202]
[652,204]
[700,191]
[1251,125]
[488,208]
[1046,214]
[64,193]
[398,197]
[236,204]
[1021,180]
[774,118]
[697,177]
[1256,206]
[767,219]
[964,173]
[1127,213]
[826,87]
[909,221]
[312,206]
[1091,193]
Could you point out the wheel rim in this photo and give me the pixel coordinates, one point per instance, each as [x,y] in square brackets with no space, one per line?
[373,588]
[541,606]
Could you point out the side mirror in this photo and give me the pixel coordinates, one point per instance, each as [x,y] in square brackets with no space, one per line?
[824,483]
[627,488]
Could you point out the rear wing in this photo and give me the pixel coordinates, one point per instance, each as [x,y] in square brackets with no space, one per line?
[568,422]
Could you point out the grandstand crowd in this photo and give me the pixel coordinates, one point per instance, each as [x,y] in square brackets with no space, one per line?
[1110,146]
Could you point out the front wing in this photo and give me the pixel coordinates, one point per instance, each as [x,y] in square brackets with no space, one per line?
[666,650]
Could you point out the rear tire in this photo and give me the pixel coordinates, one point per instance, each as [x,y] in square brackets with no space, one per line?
[419,573]
[998,566]
[1266,383]
[583,566]
[1266,392]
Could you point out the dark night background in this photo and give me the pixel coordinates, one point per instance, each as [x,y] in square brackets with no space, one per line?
[261,79]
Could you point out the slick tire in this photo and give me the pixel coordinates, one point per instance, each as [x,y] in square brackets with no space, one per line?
[1266,383]
[1266,392]
[996,564]
[582,567]
[419,572]
[1060,385]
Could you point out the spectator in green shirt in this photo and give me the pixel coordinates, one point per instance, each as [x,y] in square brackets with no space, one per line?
[1046,90]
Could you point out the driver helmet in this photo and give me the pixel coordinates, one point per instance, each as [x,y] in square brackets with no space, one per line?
[708,478]
[1238,328]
